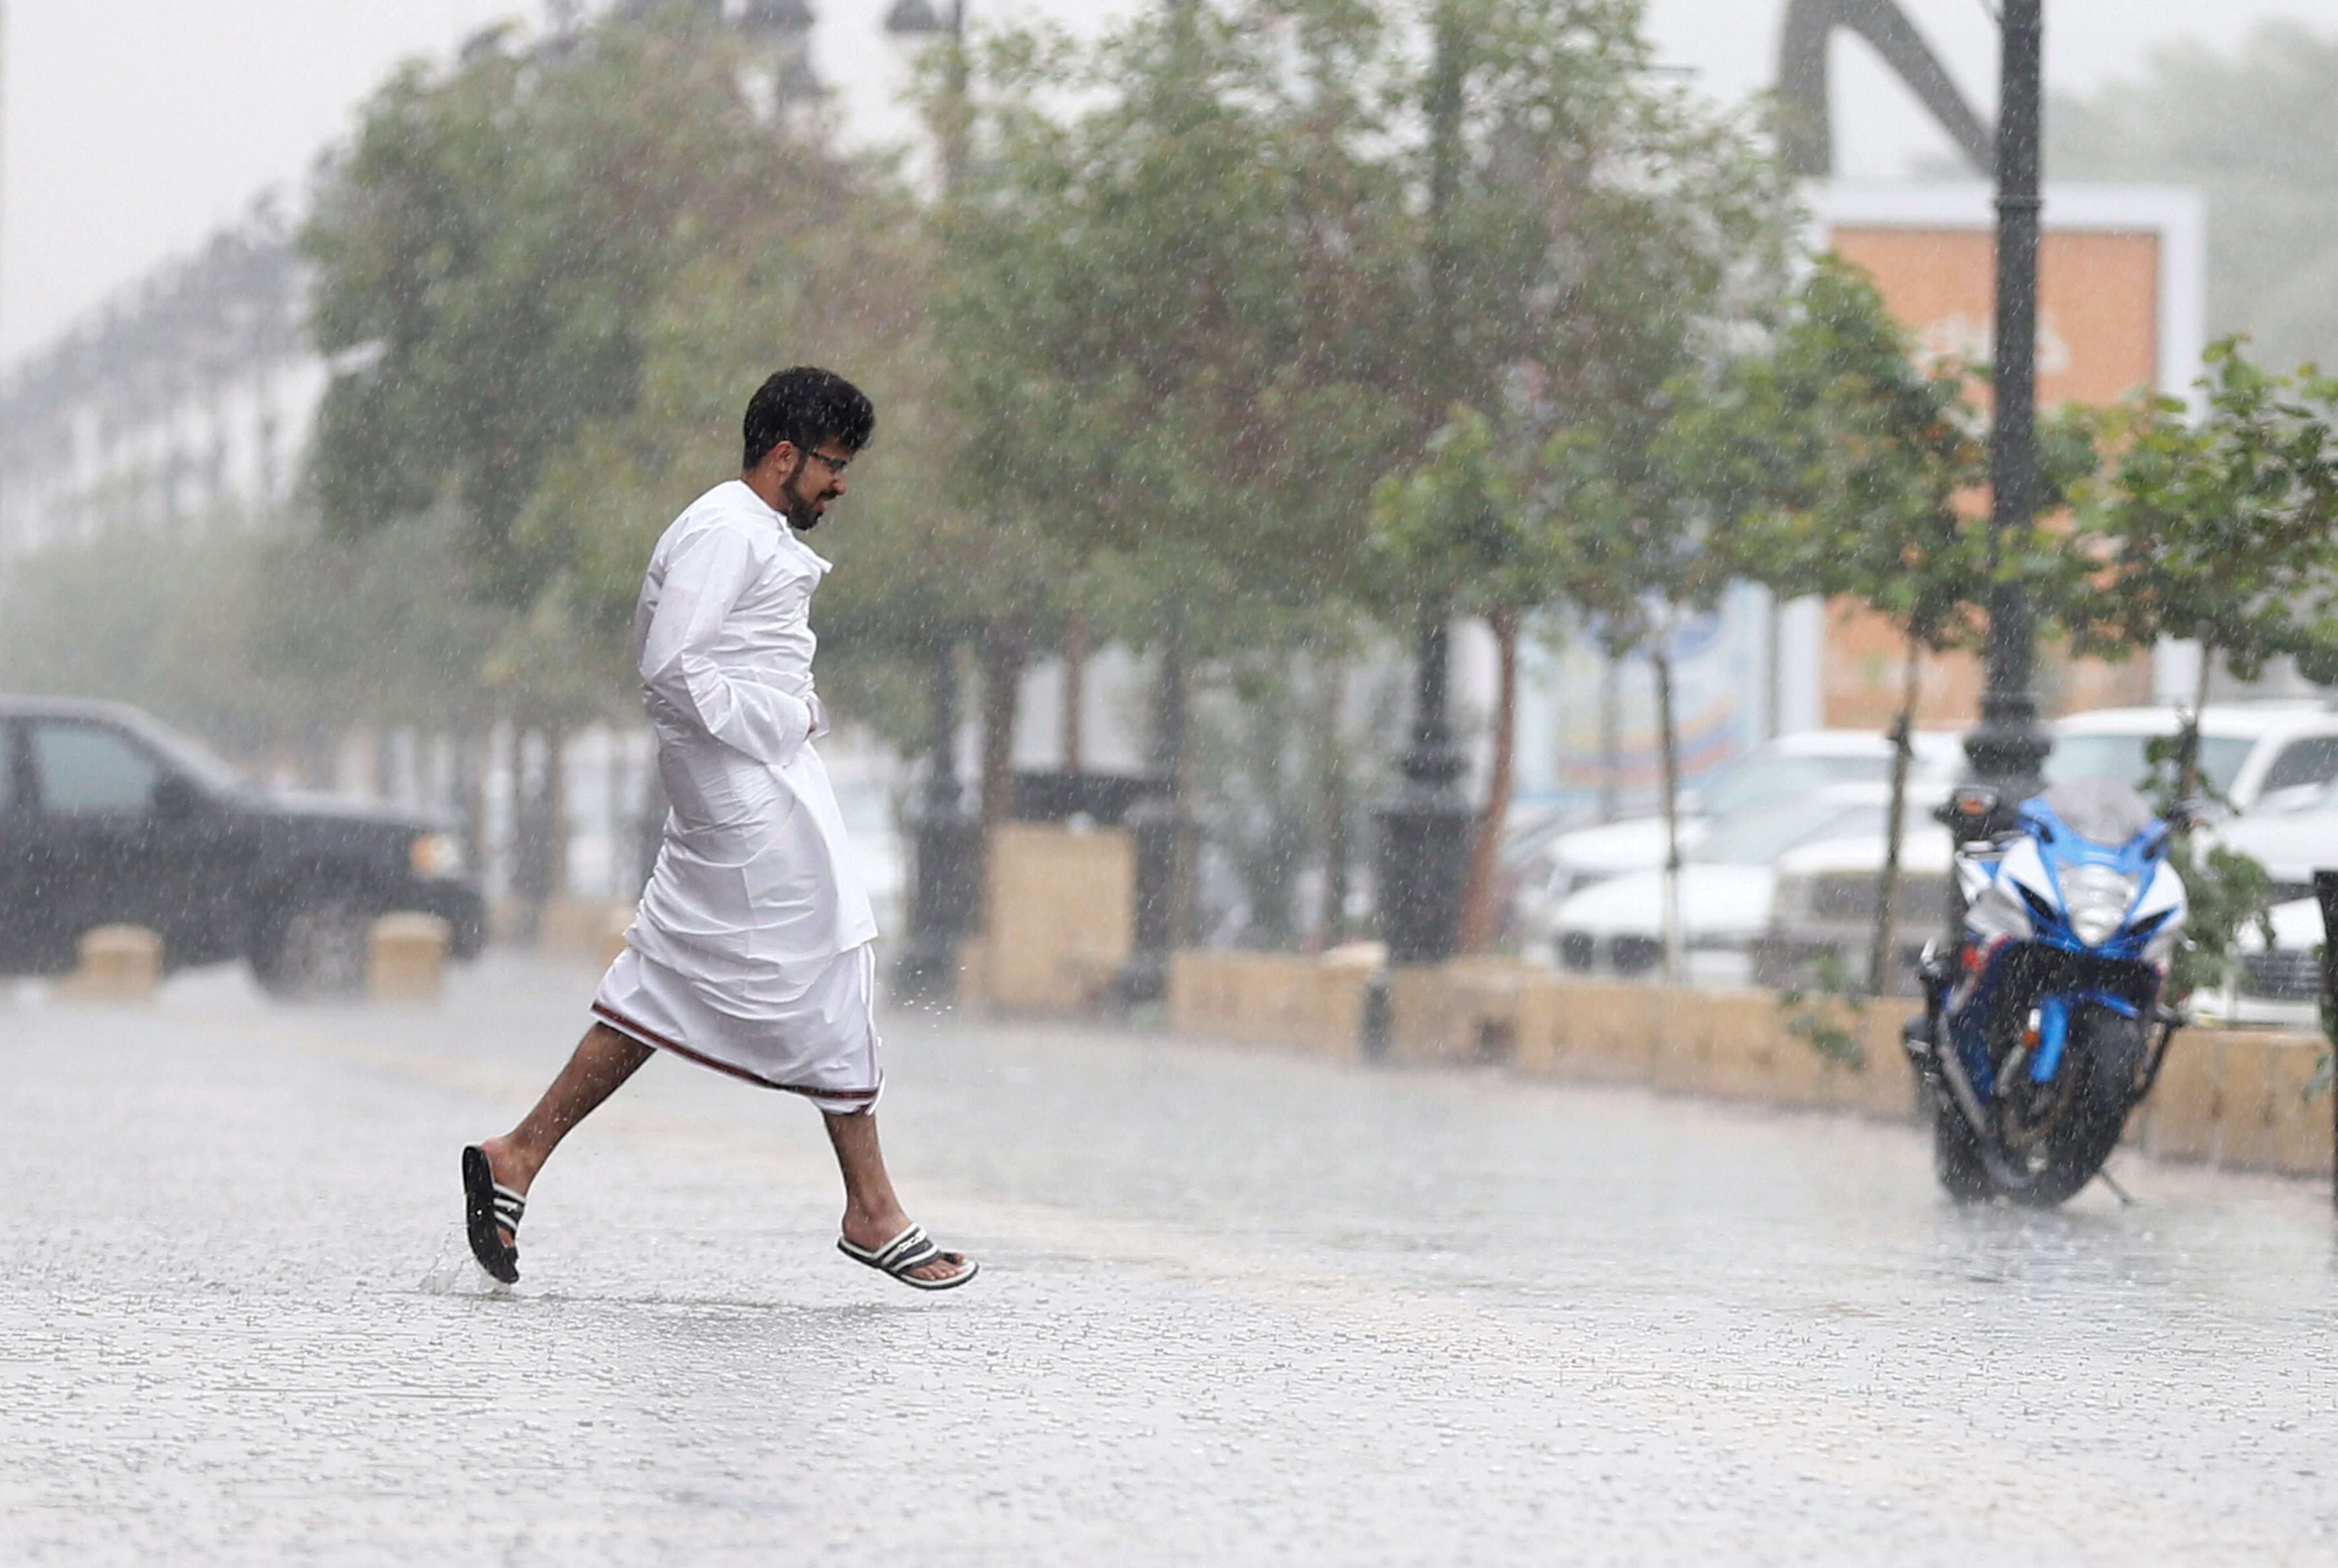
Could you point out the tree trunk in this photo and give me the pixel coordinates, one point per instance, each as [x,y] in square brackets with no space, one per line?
[1878,957]
[1271,868]
[540,853]
[1323,701]
[1338,846]
[1170,720]
[2187,740]
[555,808]
[1480,917]
[1660,656]
[1002,670]
[1611,740]
[1076,660]
[474,761]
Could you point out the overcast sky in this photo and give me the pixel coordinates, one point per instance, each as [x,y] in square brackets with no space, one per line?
[132,127]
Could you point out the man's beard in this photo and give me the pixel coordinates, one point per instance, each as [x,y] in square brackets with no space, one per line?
[802,511]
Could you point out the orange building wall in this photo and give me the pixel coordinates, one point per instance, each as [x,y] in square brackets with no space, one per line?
[2097,342]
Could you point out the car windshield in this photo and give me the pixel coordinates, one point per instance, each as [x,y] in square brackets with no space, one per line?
[1523,838]
[2120,757]
[1757,781]
[1758,837]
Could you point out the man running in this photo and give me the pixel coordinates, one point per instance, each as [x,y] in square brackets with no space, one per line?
[752,953]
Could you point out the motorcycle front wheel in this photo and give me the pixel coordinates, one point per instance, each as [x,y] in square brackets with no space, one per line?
[2106,1051]
[1956,1154]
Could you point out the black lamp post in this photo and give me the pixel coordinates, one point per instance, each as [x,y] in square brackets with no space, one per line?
[1424,827]
[2008,747]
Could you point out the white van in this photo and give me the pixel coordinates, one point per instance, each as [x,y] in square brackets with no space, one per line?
[2249,751]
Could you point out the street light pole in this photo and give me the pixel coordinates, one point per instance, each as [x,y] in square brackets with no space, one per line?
[2007,748]
[1424,843]
[1424,829]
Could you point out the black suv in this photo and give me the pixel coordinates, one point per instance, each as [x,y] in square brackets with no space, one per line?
[108,818]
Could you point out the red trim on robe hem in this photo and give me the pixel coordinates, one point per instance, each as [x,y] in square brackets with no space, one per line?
[651,1038]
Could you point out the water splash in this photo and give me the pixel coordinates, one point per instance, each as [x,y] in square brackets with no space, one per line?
[454,1272]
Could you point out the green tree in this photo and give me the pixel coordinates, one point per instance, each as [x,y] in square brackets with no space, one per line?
[1599,242]
[1852,471]
[1172,315]
[1168,318]
[552,280]
[1192,325]
[1643,551]
[494,255]
[2221,531]
[1875,453]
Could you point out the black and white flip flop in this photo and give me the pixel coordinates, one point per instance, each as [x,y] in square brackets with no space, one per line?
[487,1204]
[913,1249]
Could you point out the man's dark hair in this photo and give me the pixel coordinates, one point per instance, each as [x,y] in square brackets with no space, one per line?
[804,407]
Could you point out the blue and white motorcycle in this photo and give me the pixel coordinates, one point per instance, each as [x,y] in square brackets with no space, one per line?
[2047,1027]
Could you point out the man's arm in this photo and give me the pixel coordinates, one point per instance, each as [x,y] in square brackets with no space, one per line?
[703,581]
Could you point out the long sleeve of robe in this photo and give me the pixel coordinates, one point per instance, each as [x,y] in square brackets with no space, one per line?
[755,881]
[693,672]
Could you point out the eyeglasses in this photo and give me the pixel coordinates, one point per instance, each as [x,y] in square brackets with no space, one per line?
[835,464]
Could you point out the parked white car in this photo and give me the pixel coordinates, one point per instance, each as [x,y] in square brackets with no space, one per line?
[1726,883]
[1550,865]
[2290,841]
[2250,752]
[2279,986]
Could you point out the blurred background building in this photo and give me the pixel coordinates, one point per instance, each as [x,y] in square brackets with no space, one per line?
[180,407]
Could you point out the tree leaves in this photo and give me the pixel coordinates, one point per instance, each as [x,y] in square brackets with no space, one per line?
[492,249]
[2223,530]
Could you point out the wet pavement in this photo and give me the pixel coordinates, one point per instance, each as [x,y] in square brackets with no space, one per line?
[1235,1307]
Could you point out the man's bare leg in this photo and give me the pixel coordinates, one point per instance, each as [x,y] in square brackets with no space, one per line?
[602,1060]
[872,1214]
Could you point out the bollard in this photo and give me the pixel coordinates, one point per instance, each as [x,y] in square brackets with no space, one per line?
[119,964]
[2326,894]
[1378,1028]
[406,957]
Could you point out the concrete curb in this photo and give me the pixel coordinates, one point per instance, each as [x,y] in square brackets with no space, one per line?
[2229,1098]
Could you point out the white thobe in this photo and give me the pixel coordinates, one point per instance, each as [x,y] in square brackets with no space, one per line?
[755,897]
